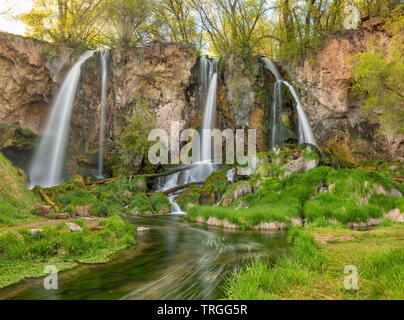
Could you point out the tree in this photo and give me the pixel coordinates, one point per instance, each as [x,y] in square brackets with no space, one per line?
[379,79]
[304,25]
[68,21]
[127,18]
[233,26]
[133,136]
[177,21]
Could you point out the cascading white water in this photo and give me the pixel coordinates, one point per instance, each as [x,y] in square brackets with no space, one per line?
[271,67]
[198,172]
[203,65]
[209,118]
[47,164]
[104,67]
[305,132]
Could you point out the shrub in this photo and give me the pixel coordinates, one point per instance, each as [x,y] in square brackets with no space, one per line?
[160,203]
[75,198]
[140,204]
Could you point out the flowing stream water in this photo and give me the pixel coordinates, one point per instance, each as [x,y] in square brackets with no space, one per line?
[47,165]
[174,260]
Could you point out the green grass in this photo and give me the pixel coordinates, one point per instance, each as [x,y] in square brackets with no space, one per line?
[76,198]
[352,198]
[314,271]
[343,210]
[216,182]
[15,198]
[140,204]
[265,281]
[189,197]
[59,245]
[247,219]
[388,267]
[160,203]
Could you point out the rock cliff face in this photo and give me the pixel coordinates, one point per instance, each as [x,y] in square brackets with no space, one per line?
[32,71]
[28,80]
[167,75]
[335,113]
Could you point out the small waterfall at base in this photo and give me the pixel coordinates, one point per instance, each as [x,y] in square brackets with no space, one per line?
[305,133]
[197,172]
[47,164]
[104,67]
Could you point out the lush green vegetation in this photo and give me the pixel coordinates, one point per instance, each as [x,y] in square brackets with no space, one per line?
[125,195]
[189,197]
[14,136]
[314,271]
[284,29]
[133,139]
[20,251]
[15,198]
[247,219]
[160,203]
[379,79]
[342,195]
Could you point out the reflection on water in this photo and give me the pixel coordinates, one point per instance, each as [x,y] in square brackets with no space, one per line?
[175,260]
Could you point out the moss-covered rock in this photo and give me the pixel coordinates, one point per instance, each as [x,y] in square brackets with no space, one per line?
[160,203]
[16,137]
[140,205]
[213,188]
[236,191]
[15,198]
[190,197]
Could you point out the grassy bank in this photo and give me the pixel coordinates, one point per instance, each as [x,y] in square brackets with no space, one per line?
[15,198]
[315,267]
[25,255]
[344,195]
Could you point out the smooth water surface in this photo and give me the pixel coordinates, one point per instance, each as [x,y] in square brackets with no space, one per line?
[174,260]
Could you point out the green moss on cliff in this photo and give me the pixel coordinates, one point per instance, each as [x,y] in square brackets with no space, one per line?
[15,198]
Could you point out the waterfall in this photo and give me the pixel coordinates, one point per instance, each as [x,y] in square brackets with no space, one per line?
[47,164]
[209,118]
[104,66]
[203,65]
[305,132]
[198,172]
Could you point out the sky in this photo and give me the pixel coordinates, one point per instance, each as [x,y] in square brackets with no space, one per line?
[7,22]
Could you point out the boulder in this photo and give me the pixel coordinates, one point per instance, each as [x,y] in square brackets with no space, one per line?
[97,229]
[392,193]
[310,165]
[395,215]
[270,226]
[142,229]
[294,166]
[127,194]
[242,189]
[64,215]
[43,211]
[82,211]
[74,227]
[35,232]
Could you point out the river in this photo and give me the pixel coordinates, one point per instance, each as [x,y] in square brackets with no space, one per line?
[174,260]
